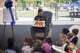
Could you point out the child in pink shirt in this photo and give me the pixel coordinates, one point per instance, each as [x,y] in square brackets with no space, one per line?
[46,45]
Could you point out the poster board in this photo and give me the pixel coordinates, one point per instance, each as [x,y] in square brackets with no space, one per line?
[7,16]
[1,8]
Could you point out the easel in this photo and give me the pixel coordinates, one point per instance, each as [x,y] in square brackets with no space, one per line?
[8,5]
[12,28]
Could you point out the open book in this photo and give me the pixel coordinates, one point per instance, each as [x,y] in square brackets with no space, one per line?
[39,23]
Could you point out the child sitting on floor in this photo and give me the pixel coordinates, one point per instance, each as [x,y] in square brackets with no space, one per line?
[72,48]
[27,48]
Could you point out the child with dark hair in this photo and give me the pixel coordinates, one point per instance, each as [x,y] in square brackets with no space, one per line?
[47,45]
[65,31]
[11,46]
[61,43]
[75,31]
[74,39]
[27,48]
[10,42]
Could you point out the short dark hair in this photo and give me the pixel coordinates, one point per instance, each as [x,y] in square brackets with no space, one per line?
[40,10]
[65,31]
[10,42]
[48,40]
[75,31]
